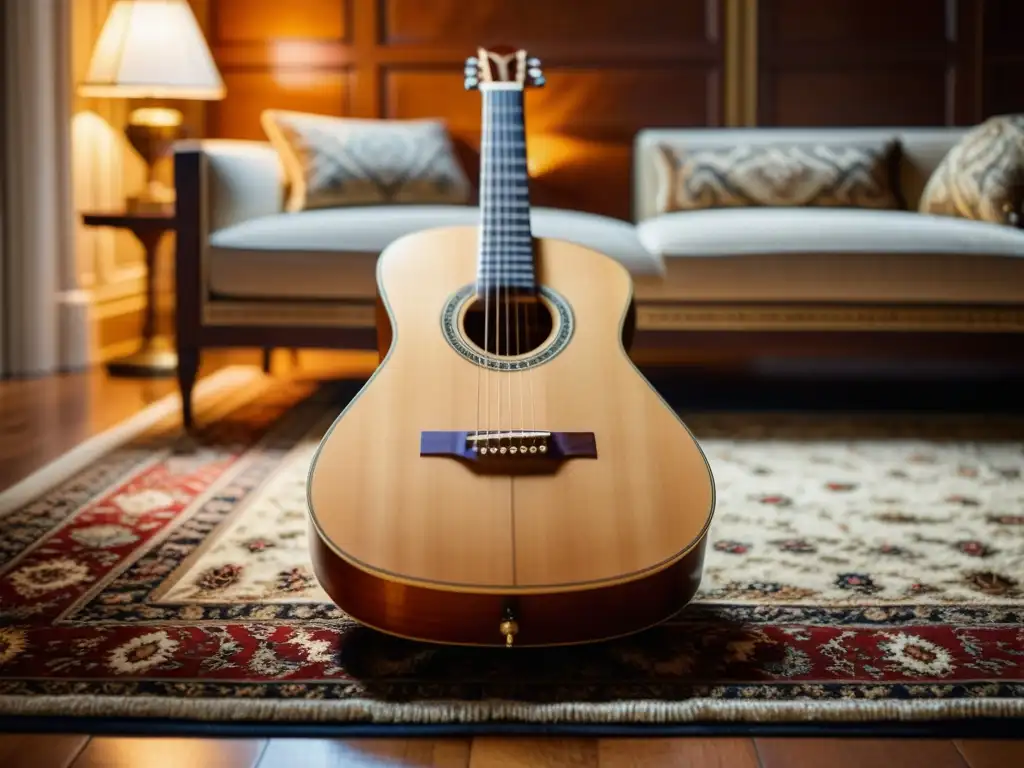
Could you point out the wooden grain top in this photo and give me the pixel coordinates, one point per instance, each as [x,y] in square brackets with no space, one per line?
[129,219]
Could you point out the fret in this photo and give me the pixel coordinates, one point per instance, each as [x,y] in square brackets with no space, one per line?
[505,257]
[497,259]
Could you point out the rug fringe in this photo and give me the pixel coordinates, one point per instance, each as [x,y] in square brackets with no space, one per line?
[462,712]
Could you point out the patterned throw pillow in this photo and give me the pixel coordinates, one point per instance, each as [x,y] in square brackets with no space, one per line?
[982,176]
[334,161]
[779,175]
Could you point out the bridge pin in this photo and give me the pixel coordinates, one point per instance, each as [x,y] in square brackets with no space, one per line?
[513,449]
[502,449]
[543,449]
[533,449]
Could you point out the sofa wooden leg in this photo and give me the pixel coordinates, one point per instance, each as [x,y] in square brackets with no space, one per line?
[268,353]
[188,369]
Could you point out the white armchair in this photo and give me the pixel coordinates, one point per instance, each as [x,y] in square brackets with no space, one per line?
[250,274]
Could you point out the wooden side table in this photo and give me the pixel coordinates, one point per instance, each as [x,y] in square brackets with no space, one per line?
[156,357]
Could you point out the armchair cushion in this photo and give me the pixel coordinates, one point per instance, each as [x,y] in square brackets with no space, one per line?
[339,161]
[332,254]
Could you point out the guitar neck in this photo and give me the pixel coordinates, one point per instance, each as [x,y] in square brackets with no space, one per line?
[505,263]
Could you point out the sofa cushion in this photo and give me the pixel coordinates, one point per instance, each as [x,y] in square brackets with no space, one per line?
[332,253]
[779,175]
[982,177]
[727,232]
[920,152]
[816,254]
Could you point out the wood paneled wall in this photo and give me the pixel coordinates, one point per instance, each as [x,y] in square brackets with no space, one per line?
[1003,56]
[616,66]
[612,67]
[869,62]
[888,62]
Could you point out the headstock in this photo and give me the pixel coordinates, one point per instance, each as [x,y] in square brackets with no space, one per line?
[510,66]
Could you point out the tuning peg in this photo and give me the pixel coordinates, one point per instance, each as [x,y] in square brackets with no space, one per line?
[473,62]
[533,61]
[539,80]
[470,83]
[534,72]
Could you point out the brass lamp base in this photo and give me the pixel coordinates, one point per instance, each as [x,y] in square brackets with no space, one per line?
[152,132]
[155,359]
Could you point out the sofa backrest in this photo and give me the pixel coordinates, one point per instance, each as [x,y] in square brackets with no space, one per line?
[921,150]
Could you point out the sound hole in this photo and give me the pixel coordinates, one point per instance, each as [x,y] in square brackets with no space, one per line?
[508,328]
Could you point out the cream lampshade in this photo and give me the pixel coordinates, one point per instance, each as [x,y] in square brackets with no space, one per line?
[152,49]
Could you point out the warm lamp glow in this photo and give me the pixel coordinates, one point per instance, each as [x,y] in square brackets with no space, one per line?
[547,152]
[152,49]
[156,117]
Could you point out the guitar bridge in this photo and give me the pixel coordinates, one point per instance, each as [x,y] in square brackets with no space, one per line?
[512,450]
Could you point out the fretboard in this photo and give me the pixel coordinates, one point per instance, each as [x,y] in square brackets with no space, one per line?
[505,261]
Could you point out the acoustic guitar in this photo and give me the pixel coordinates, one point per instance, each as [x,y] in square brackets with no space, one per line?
[507,476]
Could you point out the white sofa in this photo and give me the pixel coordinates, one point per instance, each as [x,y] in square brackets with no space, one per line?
[250,274]
[792,256]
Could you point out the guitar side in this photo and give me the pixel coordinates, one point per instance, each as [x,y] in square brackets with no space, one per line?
[426,548]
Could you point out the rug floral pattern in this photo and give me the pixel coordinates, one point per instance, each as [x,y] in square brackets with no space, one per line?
[860,567]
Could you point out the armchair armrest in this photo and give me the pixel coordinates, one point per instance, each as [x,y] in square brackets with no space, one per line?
[223,181]
[218,183]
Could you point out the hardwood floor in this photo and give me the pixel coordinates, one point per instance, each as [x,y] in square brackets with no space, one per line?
[81,751]
[42,419]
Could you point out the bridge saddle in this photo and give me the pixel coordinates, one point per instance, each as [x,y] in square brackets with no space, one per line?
[511,443]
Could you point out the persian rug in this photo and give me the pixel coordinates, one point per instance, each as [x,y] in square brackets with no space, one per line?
[860,569]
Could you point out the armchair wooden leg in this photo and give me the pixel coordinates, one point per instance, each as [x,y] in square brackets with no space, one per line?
[267,354]
[188,369]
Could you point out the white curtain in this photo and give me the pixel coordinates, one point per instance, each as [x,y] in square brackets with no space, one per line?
[44,317]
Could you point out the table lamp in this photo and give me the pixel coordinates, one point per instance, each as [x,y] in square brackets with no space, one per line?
[152,49]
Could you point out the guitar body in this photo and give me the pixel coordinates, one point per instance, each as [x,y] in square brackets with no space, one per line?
[592,541]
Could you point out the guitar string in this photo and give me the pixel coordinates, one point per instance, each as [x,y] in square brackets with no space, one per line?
[494,270]
[529,312]
[503,256]
[499,214]
[532,308]
[494,264]
[479,251]
[485,232]
[514,152]
[509,244]
[495,276]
